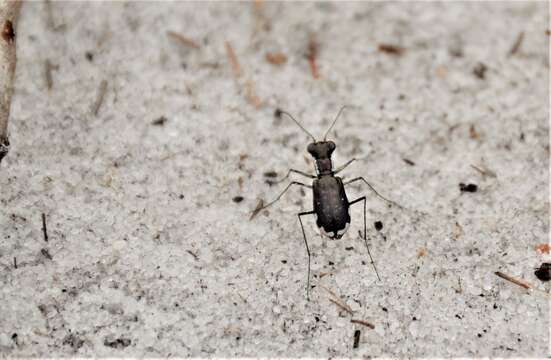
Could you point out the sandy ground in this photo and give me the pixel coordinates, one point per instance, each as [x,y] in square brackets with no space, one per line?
[148,254]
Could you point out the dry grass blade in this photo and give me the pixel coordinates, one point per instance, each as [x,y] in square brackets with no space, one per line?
[233,60]
[257,209]
[183,40]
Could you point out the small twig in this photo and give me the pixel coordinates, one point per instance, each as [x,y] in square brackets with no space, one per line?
[342,306]
[513,280]
[183,40]
[193,254]
[15,262]
[312,54]
[518,42]
[522,284]
[338,301]
[44,229]
[363,322]
[99,98]
[233,60]
[484,171]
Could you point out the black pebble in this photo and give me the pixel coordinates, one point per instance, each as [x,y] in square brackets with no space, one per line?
[543,272]
[237,199]
[378,225]
[468,187]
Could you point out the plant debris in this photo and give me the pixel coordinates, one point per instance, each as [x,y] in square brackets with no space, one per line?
[276,58]
[183,40]
[516,45]
[236,67]
[160,121]
[480,71]
[391,49]
[363,322]
[312,54]
[237,199]
[99,98]
[409,162]
[44,228]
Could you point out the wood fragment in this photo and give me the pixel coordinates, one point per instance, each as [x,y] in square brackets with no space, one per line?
[183,40]
[421,252]
[363,322]
[257,209]
[276,58]
[312,55]
[391,49]
[513,280]
[15,262]
[516,45]
[236,67]
[99,97]
[44,228]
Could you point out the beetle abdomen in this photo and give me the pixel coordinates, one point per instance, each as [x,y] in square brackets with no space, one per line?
[331,206]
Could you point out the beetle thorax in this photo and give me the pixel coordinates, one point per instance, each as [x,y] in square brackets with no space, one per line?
[324,166]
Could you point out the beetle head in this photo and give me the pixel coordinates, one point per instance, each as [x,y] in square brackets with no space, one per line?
[321,149]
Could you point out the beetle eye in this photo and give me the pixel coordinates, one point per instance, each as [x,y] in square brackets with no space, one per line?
[332,146]
[311,148]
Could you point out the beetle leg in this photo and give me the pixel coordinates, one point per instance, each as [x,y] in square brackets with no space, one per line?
[365,234]
[307,250]
[340,168]
[375,191]
[279,196]
[296,172]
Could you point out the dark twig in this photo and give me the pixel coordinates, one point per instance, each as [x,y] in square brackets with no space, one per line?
[357,334]
[44,228]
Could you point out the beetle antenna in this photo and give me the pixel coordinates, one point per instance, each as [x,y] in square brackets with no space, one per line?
[334,121]
[306,131]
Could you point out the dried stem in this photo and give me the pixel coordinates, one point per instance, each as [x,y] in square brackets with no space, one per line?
[9,13]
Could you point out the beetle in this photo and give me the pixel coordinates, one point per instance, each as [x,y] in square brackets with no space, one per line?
[331,206]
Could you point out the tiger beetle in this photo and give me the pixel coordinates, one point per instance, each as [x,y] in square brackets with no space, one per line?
[331,205]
